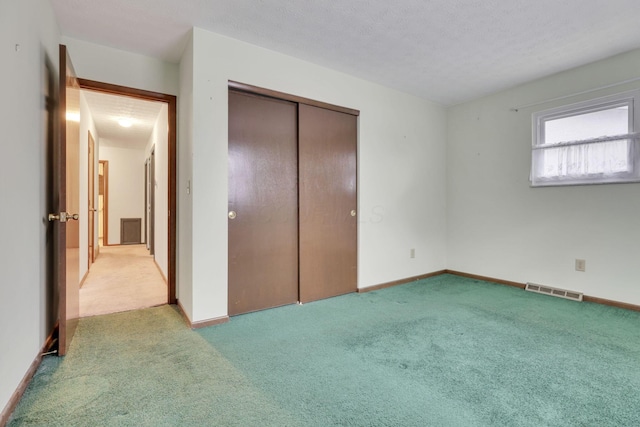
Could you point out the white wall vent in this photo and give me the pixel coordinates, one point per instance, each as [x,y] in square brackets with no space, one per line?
[547,290]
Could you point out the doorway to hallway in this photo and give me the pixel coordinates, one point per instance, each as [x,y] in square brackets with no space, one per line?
[130,126]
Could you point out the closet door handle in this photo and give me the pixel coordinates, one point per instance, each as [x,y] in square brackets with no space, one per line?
[232,214]
[353,212]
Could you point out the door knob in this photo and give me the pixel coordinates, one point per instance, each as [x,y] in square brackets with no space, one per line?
[353,213]
[63,217]
[232,214]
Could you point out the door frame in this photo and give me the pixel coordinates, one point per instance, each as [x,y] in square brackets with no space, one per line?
[257,90]
[152,201]
[171,101]
[146,203]
[105,201]
[91,193]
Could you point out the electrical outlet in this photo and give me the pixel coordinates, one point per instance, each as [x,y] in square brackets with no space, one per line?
[412,253]
[580,265]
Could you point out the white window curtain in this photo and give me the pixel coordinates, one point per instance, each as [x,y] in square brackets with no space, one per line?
[606,160]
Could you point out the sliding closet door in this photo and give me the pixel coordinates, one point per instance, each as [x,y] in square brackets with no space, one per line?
[328,203]
[263,203]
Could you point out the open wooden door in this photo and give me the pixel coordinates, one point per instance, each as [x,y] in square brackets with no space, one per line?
[66,166]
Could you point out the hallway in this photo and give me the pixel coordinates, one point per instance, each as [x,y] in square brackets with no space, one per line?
[122,278]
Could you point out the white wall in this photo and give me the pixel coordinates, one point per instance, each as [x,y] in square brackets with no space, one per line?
[86,125]
[126,186]
[104,64]
[500,227]
[29,33]
[402,202]
[184,269]
[159,139]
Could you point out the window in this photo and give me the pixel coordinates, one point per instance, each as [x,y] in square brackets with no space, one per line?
[593,142]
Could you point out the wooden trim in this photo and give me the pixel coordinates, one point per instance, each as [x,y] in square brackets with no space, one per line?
[86,274]
[28,376]
[209,322]
[151,209]
[105,202]
[183,313]
[160,270]
[146,203]
[400,282]
[201,323]
[585,298]
[91,195]
[243,87]
[124,90]
[172,200]
[486,279]
[611,303]
[172,102]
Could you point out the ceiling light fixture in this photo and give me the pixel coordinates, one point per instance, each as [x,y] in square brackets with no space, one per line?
[125,122]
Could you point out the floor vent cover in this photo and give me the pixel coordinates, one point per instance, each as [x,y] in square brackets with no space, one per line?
[547,290]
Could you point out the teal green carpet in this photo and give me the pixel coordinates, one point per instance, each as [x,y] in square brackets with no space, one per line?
[445,351]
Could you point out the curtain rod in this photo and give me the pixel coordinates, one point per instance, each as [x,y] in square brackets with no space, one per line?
[533,104]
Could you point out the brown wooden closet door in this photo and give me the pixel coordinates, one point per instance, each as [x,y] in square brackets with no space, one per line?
[328,203]
[263,203]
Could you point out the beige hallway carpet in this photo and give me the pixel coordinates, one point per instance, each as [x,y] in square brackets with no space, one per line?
[122,278]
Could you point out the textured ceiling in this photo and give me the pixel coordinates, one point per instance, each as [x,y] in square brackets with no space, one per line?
[448,51]
[107,109]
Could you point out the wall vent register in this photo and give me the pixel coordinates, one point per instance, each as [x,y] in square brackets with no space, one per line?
[556,292]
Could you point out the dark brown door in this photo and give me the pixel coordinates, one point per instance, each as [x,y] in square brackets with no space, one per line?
[263,205]
[91,198]
[52,292]
[152,202]
[328,203]
[67,201]
[146,202]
